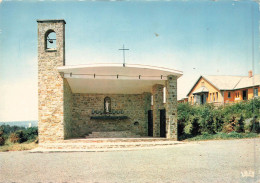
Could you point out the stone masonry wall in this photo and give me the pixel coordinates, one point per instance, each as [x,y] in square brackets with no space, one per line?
[147,103]
[68,101]
[133,106]
[171,107]
[157,92]
[50,83]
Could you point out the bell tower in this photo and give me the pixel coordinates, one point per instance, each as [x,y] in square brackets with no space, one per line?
[52,87]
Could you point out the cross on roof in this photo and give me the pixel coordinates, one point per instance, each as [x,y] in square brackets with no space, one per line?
[123,49]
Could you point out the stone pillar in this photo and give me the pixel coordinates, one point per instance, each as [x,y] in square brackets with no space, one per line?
[157,93]
[171,107]
[147,107]
[52,88]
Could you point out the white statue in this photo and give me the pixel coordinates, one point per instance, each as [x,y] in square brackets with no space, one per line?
[107,106]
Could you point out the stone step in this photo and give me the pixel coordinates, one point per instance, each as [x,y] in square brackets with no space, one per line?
[103,146]
[112,134]
[113,140]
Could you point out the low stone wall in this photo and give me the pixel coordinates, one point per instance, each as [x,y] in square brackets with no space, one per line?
[133,106]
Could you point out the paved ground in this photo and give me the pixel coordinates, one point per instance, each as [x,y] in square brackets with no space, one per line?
[211,161]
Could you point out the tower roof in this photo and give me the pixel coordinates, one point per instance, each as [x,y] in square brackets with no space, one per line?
[51,21]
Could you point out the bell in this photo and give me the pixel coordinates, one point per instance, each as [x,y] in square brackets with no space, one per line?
[51,41]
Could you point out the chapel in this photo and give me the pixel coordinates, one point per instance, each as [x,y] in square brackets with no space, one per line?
[100,100]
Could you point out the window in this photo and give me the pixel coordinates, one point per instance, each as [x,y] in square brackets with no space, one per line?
[50,40]
[255,92]
[151,99]
[213,97]
[237,94]
[216,96]
[229,95]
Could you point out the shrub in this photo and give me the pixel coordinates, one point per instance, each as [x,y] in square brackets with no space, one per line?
[14,138]
[2,139]
[21,135]
[181,126]
[218,119]
[240,125]
[227,128]
[7,129]
[199,119]
[17,137]
[254,125]
[30,134]
[187,129]
[229,125]
[192,128]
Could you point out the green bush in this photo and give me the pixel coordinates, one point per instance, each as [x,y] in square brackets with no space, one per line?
[254,125]
[230,124]
[2,139]
[207,119]
[7,129]
[221,135]
[240,125]
[14,138]
[30,134]
[20,136]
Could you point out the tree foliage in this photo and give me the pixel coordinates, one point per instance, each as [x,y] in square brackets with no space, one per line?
[207,119]
[18,134]
[2,138]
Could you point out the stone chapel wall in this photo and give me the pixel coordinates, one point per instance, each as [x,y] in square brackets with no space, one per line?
[134,106]
[68,101]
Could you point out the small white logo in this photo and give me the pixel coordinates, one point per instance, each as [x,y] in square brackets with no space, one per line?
[248,173]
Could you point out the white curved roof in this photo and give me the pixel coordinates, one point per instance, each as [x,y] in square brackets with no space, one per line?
[114,78]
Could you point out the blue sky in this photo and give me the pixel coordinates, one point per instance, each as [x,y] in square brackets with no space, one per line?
[197,37]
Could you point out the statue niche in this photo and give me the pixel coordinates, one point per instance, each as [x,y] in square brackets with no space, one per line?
[107,105]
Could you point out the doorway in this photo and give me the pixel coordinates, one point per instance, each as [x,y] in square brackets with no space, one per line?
[202,99]
[150,123]
[244,94]
[162,123]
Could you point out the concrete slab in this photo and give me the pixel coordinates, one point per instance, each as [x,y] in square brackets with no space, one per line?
[102,146]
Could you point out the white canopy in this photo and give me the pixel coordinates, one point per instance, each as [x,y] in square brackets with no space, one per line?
[114,78]
[202,89]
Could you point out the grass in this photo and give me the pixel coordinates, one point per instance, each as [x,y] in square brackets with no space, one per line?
[223,136]
[18,147]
